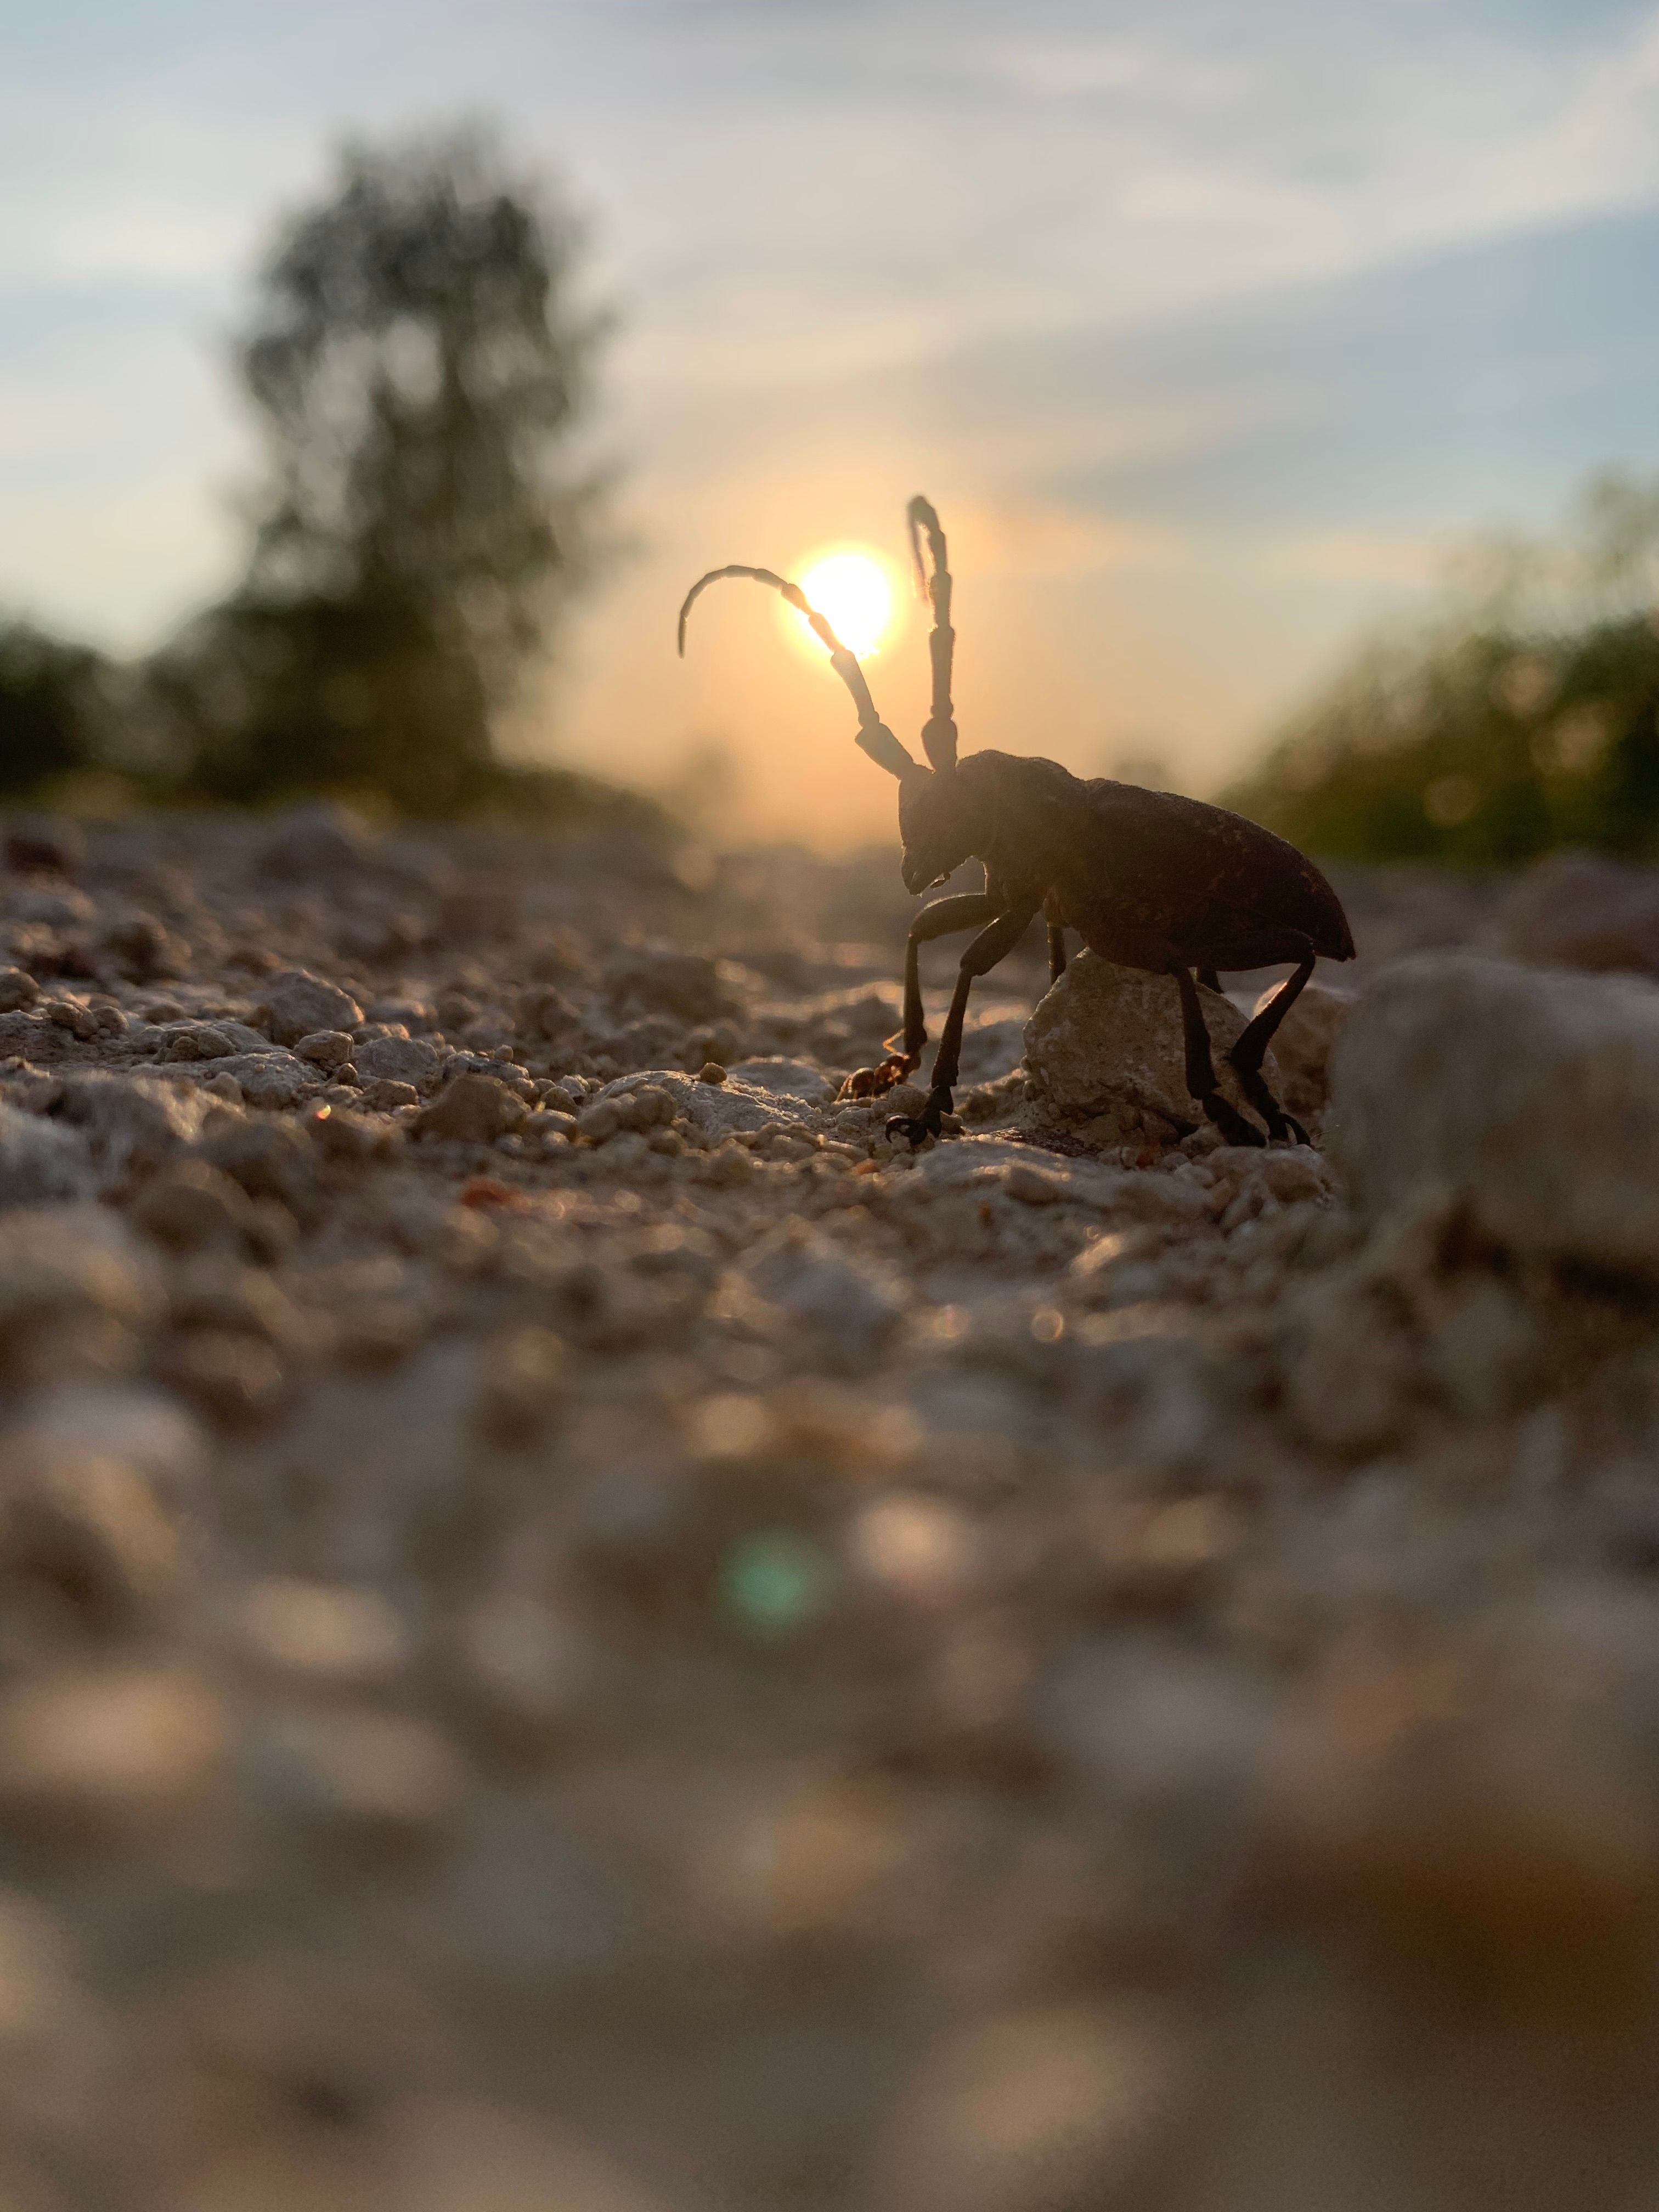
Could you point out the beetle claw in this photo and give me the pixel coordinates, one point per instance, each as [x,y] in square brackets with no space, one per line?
[918,1127]
[1231,1123]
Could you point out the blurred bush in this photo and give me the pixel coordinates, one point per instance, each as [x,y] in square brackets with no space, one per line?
[1524,716]
[417,368]
[53,707]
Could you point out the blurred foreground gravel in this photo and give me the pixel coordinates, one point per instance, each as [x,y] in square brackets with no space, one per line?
[576,1633]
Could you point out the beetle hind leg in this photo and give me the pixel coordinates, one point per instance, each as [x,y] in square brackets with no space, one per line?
[1281,1123]
[1247,1056]
[1201,1067]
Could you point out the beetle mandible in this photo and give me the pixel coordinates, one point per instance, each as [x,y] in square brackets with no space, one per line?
[1146,878]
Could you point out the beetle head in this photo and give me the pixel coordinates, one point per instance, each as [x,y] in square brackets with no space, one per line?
[938,824]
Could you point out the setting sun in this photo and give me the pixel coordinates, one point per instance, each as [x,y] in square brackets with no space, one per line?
[851,591]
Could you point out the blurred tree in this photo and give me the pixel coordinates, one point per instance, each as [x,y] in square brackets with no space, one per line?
[417,367]
[1525,716]
[52,707]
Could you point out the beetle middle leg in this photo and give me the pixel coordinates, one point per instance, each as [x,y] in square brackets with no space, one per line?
[963,911]
[1201,1067]
[1056,943]
[990,946]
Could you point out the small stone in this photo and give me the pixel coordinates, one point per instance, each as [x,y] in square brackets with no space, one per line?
[1031,1187]
[322,1633]
[200,1041]
[547,1013]
[269,1080]
[532,1672]
[59,906]
[90,1526]
[90,1755]
[1353,1382]
[43,844]
[384,1096]
[599,1122]
[236,1380]
[484,909]
[523,1380]
[193,1205]
[66,1014]
[349,1139]
[372,1778]
[41,1160]
[474,1109]
[144,951]
[269,1159]
[17,988]
[74,1284]
[212,1291]
[315,840]
[711,1071]
[298,1003]
[796,1286]
[1050,2109]
[916,1546]
[906,1098]
[133,1124]
[409,1060]
[658,978]
[325,1049]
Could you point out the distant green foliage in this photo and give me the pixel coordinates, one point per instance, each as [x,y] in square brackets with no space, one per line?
[50,707]
[417,366]
[1526,717]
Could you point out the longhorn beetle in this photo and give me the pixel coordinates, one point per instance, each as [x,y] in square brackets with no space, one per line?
[1146,878]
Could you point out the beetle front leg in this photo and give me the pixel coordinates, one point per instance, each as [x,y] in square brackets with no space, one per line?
[964,910]
[990,946]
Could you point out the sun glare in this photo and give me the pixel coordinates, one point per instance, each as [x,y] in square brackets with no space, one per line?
[851,591]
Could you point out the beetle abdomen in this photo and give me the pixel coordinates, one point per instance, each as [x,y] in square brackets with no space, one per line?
[1199,877]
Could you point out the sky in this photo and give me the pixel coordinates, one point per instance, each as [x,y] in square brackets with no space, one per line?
[1208,329]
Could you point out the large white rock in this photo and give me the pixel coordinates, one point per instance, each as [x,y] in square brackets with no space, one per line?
[1530,1097]
[1105,1049]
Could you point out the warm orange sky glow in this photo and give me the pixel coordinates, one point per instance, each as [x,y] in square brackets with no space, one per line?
[1206,330]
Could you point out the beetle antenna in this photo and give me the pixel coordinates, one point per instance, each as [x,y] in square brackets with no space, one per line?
[938,735]
[874,736]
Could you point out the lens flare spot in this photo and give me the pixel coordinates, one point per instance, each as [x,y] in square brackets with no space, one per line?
[773,1581]
[851,591]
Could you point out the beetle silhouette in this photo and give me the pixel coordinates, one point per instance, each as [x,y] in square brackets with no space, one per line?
[1146,878]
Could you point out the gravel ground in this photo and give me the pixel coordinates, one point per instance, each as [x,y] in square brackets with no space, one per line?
[579,1632]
